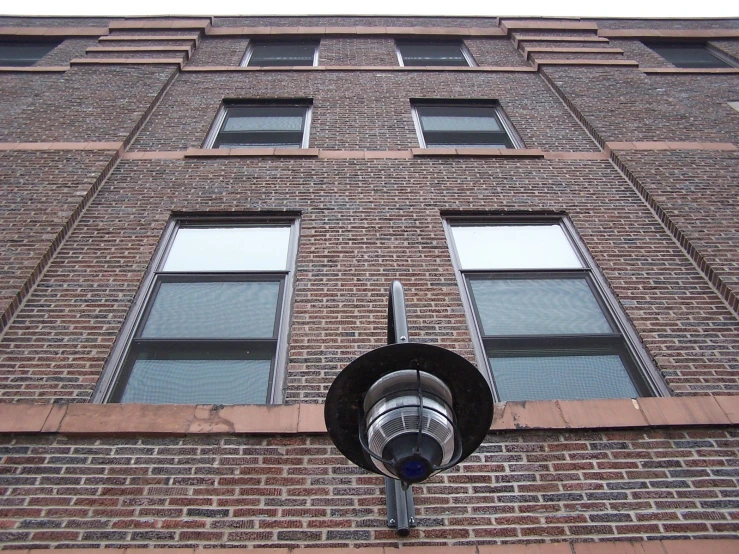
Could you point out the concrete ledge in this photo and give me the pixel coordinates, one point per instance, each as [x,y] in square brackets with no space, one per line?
[34,69]
[479,152]
[658,145]
[548,25]
[7,146]
[176,420]
[576,155]
[357,31]
[546,38]
[163,24]
[554,50]
[22,32]
[476,69]
[691,71]
[139,49]
[228,152]
[586,62]
[360,154]
[126,61]
[668,33]
[136,38]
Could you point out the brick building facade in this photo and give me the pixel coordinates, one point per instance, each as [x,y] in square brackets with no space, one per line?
[106,156]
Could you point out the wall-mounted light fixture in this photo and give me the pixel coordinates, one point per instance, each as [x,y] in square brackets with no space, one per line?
[407,410]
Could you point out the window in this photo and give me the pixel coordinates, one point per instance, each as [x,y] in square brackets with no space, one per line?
[211,328]
[281,53]
[22,54]
[438,53]
[547,326]
[688,55]
[259,125]
[457,124]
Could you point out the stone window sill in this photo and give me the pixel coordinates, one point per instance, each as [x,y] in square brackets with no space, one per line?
[173,420]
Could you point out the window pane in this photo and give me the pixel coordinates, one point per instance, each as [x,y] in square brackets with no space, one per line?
[202,381]
[432,54]
[509,307]
[213,310]
[689,56]
[229,249]
[257,123]
[561,377]
[460,123]
[284,140]
[282,54]
[24,53]
[514,247]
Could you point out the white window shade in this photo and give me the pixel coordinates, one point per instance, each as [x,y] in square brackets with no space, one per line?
[514,247]
[229,249]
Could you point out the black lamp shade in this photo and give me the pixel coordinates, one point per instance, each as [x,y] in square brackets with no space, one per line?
[472,400]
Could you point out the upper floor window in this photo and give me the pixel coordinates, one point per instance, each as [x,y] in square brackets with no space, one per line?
[548,328]
[211,324]
[688,55]
[436,53]
[281,53]
[25,53]
[463,124]
[261,124]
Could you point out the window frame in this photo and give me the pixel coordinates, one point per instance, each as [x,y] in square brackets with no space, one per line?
[255,42]
[702,45]
[52,44]
[220,118]
[505,122]
[466,54]
[645,377]
[114,376]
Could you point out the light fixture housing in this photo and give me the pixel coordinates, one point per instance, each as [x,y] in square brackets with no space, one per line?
[372,410]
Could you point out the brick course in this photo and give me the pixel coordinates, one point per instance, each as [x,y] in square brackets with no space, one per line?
[350,201]
[296,491]
[379,119]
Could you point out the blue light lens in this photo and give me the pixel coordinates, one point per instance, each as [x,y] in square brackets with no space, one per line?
[413,470]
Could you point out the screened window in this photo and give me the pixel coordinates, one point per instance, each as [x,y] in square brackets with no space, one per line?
[547,328]
[688,55]
[209,329]
[281,53]
[433,53]
[462,125]
[261,125]
[21,54]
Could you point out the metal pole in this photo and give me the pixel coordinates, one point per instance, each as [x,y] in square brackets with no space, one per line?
[397,321]
[400,508]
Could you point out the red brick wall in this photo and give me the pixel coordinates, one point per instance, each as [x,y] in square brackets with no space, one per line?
[378,118]
[299,491]
[364,223]
[362,227]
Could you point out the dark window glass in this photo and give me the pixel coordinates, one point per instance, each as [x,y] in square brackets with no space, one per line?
[459,125]
[432,53]
[209,331]
[546,331]
[262,126]
[280,54]
[688,55]
[21,54]
[562,376]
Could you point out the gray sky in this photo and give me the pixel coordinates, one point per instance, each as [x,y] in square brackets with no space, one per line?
[583,8]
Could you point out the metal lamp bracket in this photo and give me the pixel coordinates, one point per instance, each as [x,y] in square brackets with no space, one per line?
[400,508]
